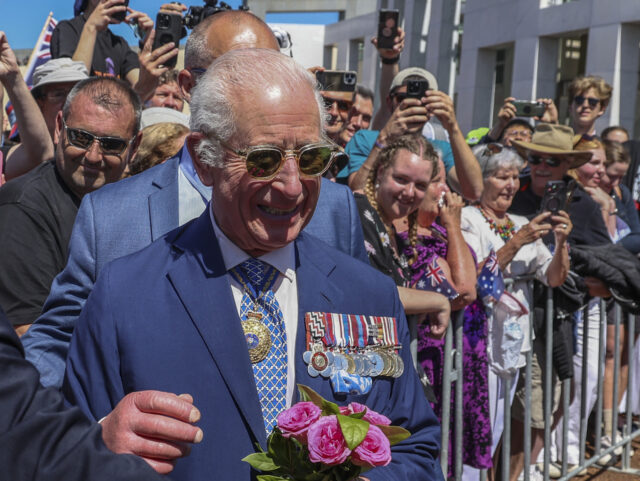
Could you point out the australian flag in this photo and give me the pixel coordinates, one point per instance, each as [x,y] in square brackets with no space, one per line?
[433,279]
[41,53]
[490,281]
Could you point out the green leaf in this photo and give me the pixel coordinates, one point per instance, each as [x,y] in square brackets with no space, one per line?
[353,430]
[395,434]
[308,394]
[329,408]
[260,461]
[269,477]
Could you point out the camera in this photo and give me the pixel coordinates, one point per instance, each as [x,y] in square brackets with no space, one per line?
[195,15]
[387,27]
[120,16]
[525,108]
[557,196]
[416,88]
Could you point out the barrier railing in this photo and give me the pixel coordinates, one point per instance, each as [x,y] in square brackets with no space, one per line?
[453,371]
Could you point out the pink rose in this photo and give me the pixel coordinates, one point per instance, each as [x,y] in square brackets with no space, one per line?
[326,442]
[295,421]
[374,450]
[370,416]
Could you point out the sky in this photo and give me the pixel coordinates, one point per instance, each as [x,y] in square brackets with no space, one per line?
[23,21]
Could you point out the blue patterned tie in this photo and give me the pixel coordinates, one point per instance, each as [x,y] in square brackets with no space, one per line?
[271,373]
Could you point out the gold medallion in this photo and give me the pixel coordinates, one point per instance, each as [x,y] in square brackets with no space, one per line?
[351,365]
[257,336]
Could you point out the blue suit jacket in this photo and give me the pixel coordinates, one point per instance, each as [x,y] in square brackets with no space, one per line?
[164,318]
[124,217]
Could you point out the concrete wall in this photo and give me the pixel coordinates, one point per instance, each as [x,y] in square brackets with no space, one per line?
[307,41]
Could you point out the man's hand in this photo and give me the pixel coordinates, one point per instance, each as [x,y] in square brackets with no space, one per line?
[440,104]
[173,7]
[8,63]
[398,46]
[409,117]
[145,24]
[155,425]
[103,14]
[550,112]
[152,65]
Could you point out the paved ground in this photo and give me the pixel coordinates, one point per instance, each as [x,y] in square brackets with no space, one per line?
[599,474]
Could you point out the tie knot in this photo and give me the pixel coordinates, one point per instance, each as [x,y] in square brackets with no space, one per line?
[255,271]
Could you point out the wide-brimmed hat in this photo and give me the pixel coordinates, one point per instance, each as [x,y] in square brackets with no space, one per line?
[58,70]
[401,76]
[555,140]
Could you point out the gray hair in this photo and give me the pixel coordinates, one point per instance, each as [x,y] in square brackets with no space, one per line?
[236,74]
[196,50]
[109,93]
[490,161]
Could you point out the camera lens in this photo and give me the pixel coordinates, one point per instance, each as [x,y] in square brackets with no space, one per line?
[527,109]
[163,21]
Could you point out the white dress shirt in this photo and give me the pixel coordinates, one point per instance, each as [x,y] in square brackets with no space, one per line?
[193,195]
[285,289]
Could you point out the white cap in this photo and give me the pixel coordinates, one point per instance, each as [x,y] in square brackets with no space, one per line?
[156,115]
[59,70]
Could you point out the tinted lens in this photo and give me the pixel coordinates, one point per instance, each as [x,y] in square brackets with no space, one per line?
[314,160]
[80,138]
[550,161]
[593,102]
[343,106]
[264,162]
[112,145]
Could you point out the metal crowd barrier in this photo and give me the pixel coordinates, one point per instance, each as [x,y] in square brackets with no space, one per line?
[453,371]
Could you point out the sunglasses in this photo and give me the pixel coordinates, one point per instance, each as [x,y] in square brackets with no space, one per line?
[579,100]
[265,161]
[538,159]
[343,105]
[84,140]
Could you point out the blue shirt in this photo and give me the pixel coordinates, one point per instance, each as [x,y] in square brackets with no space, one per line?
[363,141]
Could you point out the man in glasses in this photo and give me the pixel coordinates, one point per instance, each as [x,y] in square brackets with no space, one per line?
[549,156]
[96,133]
[359,115]
[411,113]
[589,97]
[242,277]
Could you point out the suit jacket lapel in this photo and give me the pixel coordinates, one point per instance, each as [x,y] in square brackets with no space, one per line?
[200,280]
[315,293]
[164,203]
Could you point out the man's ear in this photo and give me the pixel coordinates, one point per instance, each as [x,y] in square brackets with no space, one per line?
[186,82]
[204,171]
[134,146]
[59,126]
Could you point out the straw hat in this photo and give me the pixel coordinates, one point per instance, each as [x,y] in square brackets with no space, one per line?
[555,140]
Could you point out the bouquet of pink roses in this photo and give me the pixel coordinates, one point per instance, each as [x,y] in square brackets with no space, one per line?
[317,440]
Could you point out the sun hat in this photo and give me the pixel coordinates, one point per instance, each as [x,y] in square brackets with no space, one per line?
[401,76]
[555,140]
[156,115]
[58,70]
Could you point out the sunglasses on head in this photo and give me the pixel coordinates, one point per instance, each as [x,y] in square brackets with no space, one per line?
[579,100]
[84,140]
[263,162]
[538,159]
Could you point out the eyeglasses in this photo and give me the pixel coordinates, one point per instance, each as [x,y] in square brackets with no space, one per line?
[84,140]
[343,105]
[538,159]
[579,100]
[265,161]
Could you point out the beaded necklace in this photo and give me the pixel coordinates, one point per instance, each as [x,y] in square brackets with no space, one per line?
[505,231]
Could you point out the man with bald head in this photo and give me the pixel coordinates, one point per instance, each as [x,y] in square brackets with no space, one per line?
[141,209]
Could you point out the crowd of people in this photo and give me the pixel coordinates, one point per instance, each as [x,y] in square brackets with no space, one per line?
[197,275]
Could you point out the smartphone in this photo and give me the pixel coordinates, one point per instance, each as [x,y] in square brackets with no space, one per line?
[168,29]
[120,16]
[337,80]
[387,27]
[526,108]
[416,88]
[555,197]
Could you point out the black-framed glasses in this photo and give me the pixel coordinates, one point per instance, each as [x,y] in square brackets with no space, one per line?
[579,100]
[84,140]
[538,159]
[263,162]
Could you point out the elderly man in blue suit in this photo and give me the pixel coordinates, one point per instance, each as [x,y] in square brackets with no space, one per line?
[139,210]
[225,308]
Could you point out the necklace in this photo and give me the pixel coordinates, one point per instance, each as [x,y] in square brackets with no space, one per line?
[256,333]
[505,231]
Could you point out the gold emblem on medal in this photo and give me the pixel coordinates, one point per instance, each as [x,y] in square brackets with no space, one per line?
[257,336]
